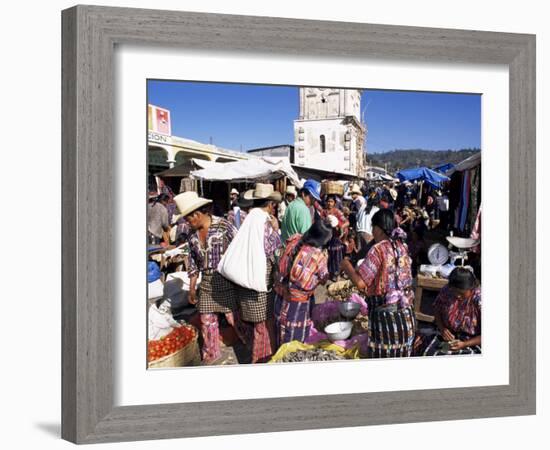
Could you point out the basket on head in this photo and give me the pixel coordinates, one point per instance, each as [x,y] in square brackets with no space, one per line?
[332,188]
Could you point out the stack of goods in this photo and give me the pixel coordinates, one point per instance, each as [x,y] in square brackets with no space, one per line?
[296,351]
[342,290]
[317,354]
[176,349]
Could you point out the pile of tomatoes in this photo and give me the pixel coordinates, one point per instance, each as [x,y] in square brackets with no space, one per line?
[171,343]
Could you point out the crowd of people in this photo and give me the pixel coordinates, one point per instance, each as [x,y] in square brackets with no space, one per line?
[261,264]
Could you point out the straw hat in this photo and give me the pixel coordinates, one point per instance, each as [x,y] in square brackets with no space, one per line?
[355,189]
[263,191]
[190,201]
[291,190]
[234,191]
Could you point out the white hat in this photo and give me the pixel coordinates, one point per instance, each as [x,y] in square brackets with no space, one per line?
[263,191]
[234,191]
[291,190]
[355,189]
[190,201]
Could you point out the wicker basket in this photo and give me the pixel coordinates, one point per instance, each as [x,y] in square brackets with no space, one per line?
[341,290]
[332,187]
[185,356]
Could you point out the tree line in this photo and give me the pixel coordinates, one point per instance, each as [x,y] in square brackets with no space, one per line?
[399,159]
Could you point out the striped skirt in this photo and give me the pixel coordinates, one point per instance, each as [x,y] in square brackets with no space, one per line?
[216,294]
[434,346]
[391,330]
[256,306]
[292,320]
[336,252]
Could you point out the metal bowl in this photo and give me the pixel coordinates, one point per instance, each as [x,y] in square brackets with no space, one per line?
[338,331]
[349,310]
[462,243]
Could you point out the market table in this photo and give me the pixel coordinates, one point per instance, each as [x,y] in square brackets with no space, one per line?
[429,283]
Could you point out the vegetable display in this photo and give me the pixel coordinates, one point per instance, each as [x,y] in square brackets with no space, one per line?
[171,343]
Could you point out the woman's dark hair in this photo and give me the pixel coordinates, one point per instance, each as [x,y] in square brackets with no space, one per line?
[318,235]
[385,220]
[462,278]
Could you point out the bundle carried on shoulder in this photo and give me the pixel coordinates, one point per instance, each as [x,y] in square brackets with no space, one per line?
[244,263]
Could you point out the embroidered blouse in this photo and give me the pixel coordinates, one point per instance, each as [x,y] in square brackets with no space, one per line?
[384,269]
[460,314]
[219,236]
[309,268]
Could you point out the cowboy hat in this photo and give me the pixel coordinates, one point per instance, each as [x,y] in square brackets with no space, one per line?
[189,201]
[355,189]
[263,191]
[234,191]
[291,190]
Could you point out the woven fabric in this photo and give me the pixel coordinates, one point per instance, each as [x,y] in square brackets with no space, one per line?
[292,321]
[216,294]
[262,342]
[256,306]
[391,329]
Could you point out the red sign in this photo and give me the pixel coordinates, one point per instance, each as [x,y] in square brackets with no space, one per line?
[159,120]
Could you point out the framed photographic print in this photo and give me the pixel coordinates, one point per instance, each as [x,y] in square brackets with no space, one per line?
[247,200]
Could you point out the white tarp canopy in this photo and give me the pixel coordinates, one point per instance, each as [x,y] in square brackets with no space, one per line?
[468,163]
[246,170]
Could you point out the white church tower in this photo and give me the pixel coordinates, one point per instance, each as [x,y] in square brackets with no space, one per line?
[329,134]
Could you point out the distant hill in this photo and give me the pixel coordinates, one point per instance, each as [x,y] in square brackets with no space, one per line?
[396,160]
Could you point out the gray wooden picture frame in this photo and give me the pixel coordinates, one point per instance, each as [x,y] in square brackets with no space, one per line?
[89,36]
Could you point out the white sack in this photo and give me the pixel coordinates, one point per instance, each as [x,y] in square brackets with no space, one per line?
[244,262]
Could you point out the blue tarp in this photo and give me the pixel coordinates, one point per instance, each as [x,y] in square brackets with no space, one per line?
[422,174]
[444,168]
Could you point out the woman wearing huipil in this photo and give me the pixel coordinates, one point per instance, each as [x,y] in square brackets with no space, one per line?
[385,277]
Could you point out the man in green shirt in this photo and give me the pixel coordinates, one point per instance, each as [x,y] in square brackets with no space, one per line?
[297,217]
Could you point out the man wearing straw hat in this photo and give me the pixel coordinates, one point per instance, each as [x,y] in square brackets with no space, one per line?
[249,262]
[290,196]
[234,197]
[209,239]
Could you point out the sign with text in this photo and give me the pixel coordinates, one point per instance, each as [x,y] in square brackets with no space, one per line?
[158,120]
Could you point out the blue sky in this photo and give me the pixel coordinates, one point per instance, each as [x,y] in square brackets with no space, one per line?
[238,116]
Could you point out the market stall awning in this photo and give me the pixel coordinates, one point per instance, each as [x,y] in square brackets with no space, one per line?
[444,168]
[468,163]
[422,174]
[248,170]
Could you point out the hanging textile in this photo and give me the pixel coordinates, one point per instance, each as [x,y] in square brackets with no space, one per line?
[465,201]
[475,196]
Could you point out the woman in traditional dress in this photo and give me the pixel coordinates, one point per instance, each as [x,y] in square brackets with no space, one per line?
[385,277]
[256,306]
[457,312]
[336,247]
[209,238]
[302,267]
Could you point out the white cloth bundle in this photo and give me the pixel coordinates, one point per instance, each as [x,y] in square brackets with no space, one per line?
[161,321]
[244,262]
